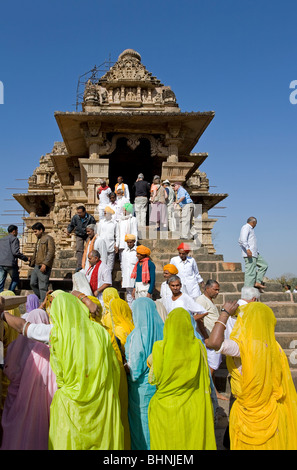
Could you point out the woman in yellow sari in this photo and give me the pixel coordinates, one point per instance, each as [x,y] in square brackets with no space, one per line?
[180,412]
[264,414]
[121,319]
[9,335]
[110,294]
[85,411]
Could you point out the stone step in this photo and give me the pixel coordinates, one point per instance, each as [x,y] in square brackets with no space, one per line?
[265,297]
[286,324]
[287,340]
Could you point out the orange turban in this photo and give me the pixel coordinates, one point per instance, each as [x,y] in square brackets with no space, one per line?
[130,236]
[184,246]
[171,268]
[143,250]
[109,210]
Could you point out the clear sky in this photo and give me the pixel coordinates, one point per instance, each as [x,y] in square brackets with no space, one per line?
[236,58]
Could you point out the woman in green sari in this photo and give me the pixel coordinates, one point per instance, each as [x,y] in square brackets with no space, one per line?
[85,412]
[181,411]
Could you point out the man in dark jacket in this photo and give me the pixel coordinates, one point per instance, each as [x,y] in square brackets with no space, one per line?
[79,223]
[42,261]
[9,256]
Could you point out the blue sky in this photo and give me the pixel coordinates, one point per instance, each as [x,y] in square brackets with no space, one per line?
[236,58]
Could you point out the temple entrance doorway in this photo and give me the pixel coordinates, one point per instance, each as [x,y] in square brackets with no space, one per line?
[128,163]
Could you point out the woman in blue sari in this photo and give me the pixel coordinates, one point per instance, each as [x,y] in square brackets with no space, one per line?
[148,329]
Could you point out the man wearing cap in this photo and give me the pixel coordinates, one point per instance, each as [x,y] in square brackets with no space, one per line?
[144,273]
[188,271]
[129,259]
[93,242]
[185,202]
[126,224]
[165,291]
[141,190]
[106,229]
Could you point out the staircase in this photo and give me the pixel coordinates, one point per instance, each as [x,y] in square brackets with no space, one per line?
[211,266]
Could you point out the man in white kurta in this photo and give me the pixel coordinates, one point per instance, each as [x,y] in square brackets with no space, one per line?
[123,186]
[129,259]
[255,265]
[94,242]
[126,225]
[121,201]
[165,291]
[103,193]
[106,229]
[104,278]
[180,299]
[187,271]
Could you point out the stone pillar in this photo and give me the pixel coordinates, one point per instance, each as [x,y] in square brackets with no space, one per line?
[94,151]
[176,171]
[92,172]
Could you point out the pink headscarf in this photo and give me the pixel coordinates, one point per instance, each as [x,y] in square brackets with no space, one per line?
[25,419]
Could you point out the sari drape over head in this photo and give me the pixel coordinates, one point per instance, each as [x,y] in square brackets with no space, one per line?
[110,294]
[121,318]
[148,329]
[264,414]
[180,412]
[26,414]
[9,335]
[85,411]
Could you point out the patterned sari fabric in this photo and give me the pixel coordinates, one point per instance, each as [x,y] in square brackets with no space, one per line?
[264,414]
[85,411]
[139,346]
[26,414]
[181,413]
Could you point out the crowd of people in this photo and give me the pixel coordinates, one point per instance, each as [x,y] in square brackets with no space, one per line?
[133,368]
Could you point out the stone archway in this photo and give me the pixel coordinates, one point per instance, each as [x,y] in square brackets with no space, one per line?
[128,160]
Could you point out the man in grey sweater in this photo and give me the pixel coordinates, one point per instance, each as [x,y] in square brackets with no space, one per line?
[9,256]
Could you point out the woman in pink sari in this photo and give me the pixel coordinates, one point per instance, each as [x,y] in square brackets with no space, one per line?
[25,419]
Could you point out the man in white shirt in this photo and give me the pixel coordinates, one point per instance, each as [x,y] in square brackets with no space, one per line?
[211,291]
[93,242]
[106,229]
[121,201]
[165,291]
[188,271]
[129,259]
[98,275]
[103,193]
[180,299]
[124,187]
[127,224]
[255,265]
[248,294]
[113,204]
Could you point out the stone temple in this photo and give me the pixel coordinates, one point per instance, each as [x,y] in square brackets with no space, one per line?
[129,123]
